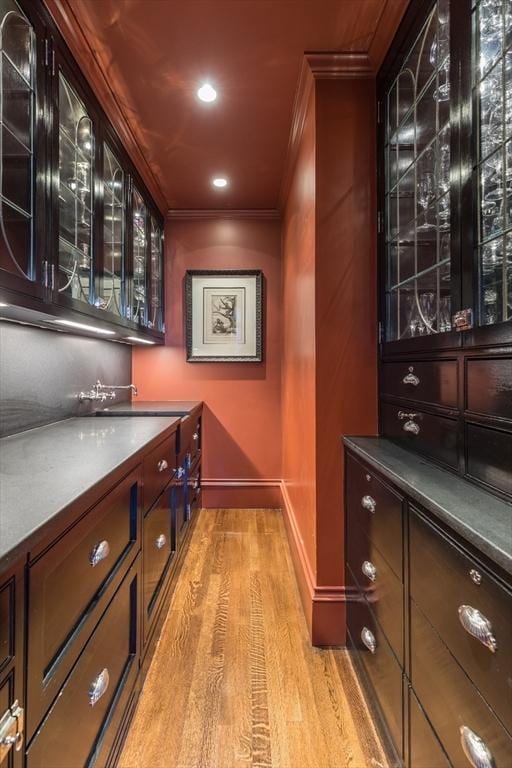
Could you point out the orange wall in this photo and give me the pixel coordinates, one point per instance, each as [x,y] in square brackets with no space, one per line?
[242,418]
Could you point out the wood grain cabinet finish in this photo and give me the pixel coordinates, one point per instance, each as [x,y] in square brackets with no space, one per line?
[430,434]
[489,386]
[471,598]
[75,728]
[159,467]
[425,748]
[449,698]
[12,645]
[7,620]
[159,545]
[489,457]
[423,381]
[66,584]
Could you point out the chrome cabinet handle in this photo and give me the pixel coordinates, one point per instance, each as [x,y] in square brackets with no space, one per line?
[410,425]
[162,464]
[161,541]
[369,570]
[98,687]
[195,436]
[369,503]
[99,552]
[475,749]
[478,626]
[368,639]
[411,378]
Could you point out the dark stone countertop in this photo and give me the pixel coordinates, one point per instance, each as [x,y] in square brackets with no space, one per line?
[480,518]
[152,408]
[45,470]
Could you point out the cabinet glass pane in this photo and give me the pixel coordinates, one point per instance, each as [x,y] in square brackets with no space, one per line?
[156,319]
[492,22]
[113,233]
[139,243]
[418,186]
[76,153]
[17,103]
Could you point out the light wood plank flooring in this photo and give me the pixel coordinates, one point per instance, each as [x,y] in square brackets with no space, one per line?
[234,681]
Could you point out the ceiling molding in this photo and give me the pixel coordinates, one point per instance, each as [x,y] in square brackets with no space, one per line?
[220,213]
[339,65]
[69,25]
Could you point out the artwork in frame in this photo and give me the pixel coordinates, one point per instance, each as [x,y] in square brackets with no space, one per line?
[224,316]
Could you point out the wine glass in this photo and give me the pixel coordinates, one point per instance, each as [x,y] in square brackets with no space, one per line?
[426,195]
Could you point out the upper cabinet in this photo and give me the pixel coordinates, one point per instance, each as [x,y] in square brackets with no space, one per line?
[445,235]
[77,223]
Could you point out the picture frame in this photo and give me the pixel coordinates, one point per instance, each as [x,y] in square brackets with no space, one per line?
[224,316]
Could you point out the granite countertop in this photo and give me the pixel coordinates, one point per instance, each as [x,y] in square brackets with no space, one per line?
[482,519]
[45,470]
[152,408]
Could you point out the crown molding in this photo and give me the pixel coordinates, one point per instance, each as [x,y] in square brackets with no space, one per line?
[67,21]
[339,65]
[221,213]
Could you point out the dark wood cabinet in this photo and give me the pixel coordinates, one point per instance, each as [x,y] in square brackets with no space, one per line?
[425,748]
[12,662]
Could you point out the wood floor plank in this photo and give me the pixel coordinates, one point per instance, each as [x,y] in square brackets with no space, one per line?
[234,682]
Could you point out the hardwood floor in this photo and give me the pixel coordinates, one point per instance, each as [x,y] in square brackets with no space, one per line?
[234,682]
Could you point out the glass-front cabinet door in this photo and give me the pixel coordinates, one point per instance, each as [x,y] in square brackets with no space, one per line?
[156,320]
[114,234]
[139,243]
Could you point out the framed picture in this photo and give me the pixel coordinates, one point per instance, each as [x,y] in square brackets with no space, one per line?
[224,316]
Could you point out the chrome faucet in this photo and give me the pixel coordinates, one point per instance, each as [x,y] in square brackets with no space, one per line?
[104,392]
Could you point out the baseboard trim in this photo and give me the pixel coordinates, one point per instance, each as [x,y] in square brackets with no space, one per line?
[245,493]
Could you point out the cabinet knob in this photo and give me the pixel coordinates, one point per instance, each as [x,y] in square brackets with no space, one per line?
[179,472]
[368,639]
[478,626]
[161,541]
[475,749]
[98,687]
[411,378]
[476,576]
[162,464]
[367,478]
[195,436]
[369,503]
[99,552]
[369,570]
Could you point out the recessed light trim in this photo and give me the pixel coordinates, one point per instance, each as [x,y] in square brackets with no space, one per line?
[220,182]
[207,93]
[140,341]
[84,327]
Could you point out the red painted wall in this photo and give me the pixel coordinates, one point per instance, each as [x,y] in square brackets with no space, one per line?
[242,419]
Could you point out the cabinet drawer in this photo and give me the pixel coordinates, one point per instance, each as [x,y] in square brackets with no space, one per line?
[75,727]
[429,381]
[190,439]
[377,510]
[158,547]
[489,387]
[436,564]
[7,619]
[450,700]
[159,466]
[425,750]
[432,435]
[66,583]
[369,572]
[382,669]
[489,456]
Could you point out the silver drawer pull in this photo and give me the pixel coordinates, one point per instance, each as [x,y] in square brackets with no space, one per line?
[195,437]
[161,541]
[476,750]
[98,687]
[369,570]
[477,625]
[410,425]
[411,378]
[162,464]
[11,730]
[476,576]
[99,552]
[368,639]
[369,503]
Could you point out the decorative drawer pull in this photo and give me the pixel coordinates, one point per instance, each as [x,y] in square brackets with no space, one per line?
[369,570]
[411,378]
[161,541]
[410,425]
[368,639]
[162,464]
[369,503]
[476,750]
[476,576]
[98,687]
[195,436]
[367,478]
[180,472]
[99,552]
[476,624]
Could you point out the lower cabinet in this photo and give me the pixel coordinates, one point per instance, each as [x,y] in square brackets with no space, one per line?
[425,748]
[158,550]
[12,701]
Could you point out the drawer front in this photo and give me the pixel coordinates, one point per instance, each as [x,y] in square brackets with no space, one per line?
[437,564]
[75,725]
[381,667]
[430,381]
[190,439]
[180,511]
[434,436]
[377,510]
[64,585]
[489,387]
[10,692]
[158,466]
[158,547]
[7,619]
[450,700]
[425,750]
[489,456]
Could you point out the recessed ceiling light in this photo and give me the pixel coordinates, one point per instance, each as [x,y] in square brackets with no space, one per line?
[84,327]
[220,182]
[207,93]
[139,341]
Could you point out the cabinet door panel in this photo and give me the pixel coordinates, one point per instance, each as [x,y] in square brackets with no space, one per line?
[425,749]
[158,548]
[489,456]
